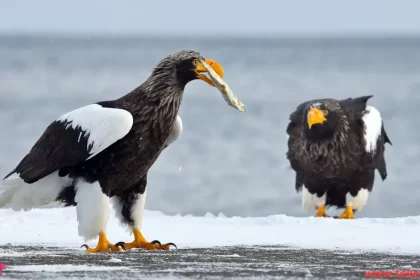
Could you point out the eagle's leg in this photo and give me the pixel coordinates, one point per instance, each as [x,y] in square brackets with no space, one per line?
[312,201]
[92,214]
[321,211]
[356,199]
[347,214]
[129,207]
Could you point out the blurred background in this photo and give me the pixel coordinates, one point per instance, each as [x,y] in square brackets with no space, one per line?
[56,56]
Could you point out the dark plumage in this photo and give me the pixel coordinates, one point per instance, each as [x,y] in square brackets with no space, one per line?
[105,150]
[334,147]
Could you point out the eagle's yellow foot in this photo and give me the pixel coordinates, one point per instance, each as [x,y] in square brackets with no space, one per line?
[347,214]
[103,245]
[321,212]
[140,242]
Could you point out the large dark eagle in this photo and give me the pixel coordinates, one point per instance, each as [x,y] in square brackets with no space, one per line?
[334,147]
[104,150]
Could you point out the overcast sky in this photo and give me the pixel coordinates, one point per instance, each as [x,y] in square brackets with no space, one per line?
[227,16]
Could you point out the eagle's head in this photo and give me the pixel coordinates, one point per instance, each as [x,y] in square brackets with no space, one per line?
[185,66]
[322,119]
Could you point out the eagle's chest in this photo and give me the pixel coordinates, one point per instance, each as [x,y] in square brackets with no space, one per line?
[330,159]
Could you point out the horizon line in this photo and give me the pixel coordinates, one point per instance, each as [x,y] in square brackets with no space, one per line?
[83,34]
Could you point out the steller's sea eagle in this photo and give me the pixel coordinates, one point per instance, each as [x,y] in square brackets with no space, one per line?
[334,147]
[103,151]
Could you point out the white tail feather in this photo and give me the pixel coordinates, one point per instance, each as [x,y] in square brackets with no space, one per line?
[7,196]
[22,196]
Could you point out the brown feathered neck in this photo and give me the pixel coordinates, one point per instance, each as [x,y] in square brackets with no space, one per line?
[159,97]
[164,86]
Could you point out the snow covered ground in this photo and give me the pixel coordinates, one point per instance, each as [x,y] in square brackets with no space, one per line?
[247,262]
[58,227]
[44,244]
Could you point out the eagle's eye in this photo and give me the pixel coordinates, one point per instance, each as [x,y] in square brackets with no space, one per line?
[325,112]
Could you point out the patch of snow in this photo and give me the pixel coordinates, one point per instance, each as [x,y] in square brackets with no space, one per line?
[230,256]
[406,266]
[11,254]
[63,267]
[115,260]
[4,253]
[58,227]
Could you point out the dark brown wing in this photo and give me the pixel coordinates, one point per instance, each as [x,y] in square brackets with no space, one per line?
[380,162]
[293,130]
[74,138]
[355,107]
[56,148]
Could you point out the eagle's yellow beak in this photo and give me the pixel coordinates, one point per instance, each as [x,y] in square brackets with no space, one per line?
[199,68]
[315,116]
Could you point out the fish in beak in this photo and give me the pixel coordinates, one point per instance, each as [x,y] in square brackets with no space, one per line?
[216,73]
[200,68]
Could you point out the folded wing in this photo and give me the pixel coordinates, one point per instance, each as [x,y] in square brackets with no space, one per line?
[73,138]
[374,134]
[293,131]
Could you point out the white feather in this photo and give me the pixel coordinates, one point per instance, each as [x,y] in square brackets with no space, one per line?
[176,131]
[373,126]
[136,213]
[22,196]
[312,201]
[359,201]
[105,126]
[92,204]
[138,209]
[92,209]
[117,206]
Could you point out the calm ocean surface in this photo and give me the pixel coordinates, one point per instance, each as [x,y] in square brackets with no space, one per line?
[225,161]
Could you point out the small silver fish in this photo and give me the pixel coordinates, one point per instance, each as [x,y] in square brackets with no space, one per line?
[223,87]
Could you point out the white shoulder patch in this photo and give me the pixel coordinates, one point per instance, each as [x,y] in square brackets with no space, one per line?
[104,125]
[177,130]
[373,126]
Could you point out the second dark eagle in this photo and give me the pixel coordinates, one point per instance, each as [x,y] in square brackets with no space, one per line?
[335,148]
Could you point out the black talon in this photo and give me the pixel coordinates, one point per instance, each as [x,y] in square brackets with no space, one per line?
[170,243]
[156,242]
[85,245]
[120,244]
